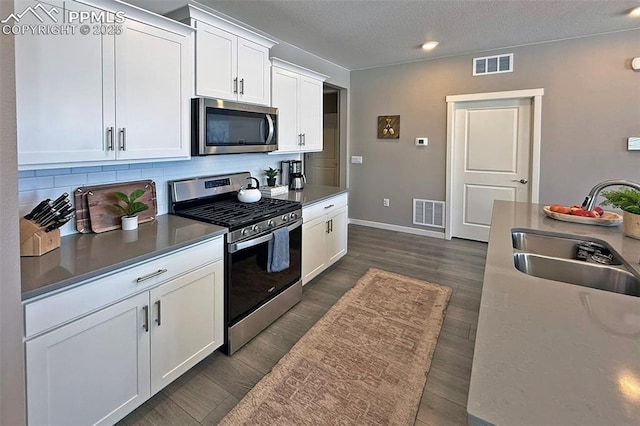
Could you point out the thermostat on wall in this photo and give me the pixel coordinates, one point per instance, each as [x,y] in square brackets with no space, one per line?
[633,144]
[635,64]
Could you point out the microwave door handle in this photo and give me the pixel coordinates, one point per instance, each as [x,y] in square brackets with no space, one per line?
[263,239]
[271,129]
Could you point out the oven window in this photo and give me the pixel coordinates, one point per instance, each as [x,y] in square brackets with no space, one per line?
[227,127]
[249,283]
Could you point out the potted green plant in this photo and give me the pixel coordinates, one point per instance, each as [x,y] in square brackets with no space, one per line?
[627,200]
[271,176]
[131,208]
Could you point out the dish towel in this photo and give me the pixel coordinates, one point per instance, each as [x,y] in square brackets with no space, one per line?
[278,252]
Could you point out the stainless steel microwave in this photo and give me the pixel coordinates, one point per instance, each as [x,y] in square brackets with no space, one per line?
[224,127]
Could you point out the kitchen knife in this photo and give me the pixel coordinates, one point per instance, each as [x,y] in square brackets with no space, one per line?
[60,198]
[37,209]
[58,223]
[57,205]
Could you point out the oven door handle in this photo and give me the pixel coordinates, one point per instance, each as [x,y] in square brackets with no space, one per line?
[263,239]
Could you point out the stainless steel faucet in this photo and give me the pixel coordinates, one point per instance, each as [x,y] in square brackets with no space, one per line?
[590,200]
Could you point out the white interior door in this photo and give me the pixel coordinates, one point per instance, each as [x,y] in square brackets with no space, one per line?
[492,161]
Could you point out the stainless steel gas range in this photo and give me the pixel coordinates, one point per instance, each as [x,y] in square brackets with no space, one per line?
[254,297]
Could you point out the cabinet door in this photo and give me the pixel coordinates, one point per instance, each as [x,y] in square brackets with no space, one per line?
[337,237]
[187,323]
[93,370]
[311,113]
[216,62]
[151,97]
[314,251]
[62,114]
[254,73]
[285,97]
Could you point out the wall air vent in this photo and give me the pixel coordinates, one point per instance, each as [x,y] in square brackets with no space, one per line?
[493,64]
[428,213]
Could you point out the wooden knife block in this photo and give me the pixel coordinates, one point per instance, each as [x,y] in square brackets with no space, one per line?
[34,241]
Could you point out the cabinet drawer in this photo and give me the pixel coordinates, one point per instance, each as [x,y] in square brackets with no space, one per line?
[91,295]
[323,207]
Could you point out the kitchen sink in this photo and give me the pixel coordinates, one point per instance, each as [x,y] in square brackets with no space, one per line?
[556,245]
[608,278]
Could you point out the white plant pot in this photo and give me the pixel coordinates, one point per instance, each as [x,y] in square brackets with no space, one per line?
[129,223]
[631,225]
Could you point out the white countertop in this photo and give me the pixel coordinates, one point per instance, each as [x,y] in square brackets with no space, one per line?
[542,357]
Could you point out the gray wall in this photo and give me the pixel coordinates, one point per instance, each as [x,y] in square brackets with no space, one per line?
[12,405]
[590,106]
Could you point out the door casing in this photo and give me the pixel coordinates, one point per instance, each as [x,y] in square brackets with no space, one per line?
[535,95]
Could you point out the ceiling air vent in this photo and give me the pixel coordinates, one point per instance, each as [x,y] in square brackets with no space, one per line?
[493,64]
[428,213]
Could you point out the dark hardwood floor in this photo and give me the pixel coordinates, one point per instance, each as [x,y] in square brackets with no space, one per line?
[207,392]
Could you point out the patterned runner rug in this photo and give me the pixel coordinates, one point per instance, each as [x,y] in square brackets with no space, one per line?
[364,363]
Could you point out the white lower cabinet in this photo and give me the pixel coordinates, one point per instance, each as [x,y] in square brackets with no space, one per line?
[186,323]
[94,370]
[99,367]
[324,235]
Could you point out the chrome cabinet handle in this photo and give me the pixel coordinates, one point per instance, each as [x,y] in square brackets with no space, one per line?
[151,275]
[304,139]
[331,225]
[158,318]
[145,324]
[123,139]
[329,206]
[300,139]
[522,181]
[110,131]
[242,86]
[235,85]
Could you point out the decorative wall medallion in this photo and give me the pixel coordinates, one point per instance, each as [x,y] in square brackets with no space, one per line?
[388,126]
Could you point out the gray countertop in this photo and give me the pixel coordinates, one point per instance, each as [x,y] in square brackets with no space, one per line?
[542,355]
[312,194]
[83,256]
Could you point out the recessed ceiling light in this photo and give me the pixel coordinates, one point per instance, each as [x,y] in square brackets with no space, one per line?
[635,12]
[429,45]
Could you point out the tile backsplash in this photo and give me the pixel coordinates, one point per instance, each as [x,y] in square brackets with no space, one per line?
[37,185]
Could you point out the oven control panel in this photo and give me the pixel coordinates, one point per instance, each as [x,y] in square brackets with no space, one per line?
[264,226]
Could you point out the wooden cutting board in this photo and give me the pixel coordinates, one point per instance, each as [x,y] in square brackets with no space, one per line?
[83,224]
[94,205]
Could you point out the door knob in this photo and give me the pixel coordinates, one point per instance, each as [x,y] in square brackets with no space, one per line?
[523,180]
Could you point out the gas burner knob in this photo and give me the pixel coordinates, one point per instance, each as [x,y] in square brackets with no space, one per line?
[271,223]
[256,228]
[285,218]
[293,216]
[245,232]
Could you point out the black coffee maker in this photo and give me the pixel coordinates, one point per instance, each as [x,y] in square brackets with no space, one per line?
[292,175]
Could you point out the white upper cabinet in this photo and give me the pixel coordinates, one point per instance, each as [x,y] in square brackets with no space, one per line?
[297,93]
[232,62]
[120,92]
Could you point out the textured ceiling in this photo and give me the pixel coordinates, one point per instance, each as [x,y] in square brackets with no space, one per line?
[359,34]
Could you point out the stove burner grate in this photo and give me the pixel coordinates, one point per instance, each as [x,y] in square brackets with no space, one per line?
[233,213]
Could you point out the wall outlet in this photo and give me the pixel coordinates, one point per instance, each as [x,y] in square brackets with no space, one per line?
[356,159]
[422,141]
[385,202]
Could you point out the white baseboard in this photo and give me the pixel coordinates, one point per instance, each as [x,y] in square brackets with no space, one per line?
[398,228]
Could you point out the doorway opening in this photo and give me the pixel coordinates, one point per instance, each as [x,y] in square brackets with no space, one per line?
[326,167]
